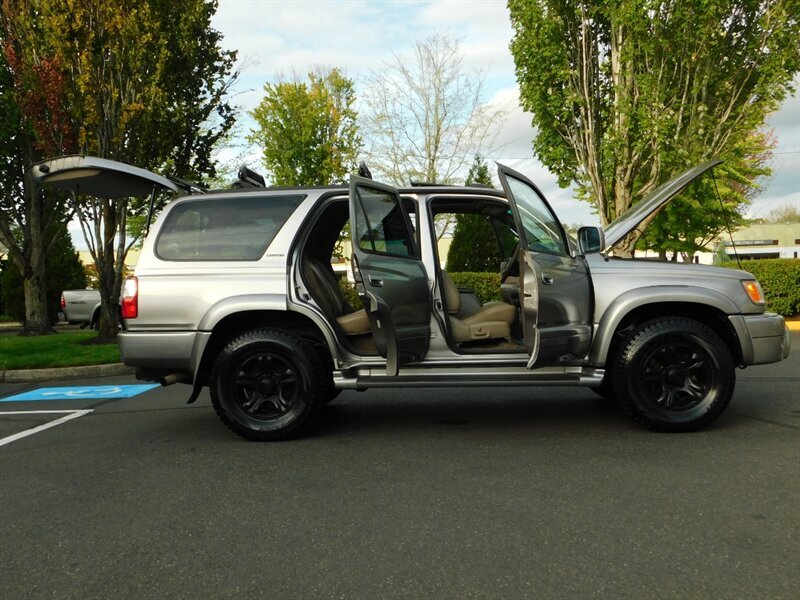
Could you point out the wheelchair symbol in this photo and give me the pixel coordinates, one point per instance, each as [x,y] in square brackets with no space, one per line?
[98,392]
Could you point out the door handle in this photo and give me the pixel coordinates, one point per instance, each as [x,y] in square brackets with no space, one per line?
[376,281]
[547,279]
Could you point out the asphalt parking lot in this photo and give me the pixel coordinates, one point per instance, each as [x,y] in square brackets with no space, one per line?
[462,493]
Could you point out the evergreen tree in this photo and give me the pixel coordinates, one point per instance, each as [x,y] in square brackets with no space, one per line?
[63,269]
[474,247]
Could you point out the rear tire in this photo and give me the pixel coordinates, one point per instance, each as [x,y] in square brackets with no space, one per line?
[268,385]
[674,375]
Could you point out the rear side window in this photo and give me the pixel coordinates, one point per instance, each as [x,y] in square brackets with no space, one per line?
[224,228]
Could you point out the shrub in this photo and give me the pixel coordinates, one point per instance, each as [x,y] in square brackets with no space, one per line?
[780,280]
[486,285]
[474,247]
[349,293]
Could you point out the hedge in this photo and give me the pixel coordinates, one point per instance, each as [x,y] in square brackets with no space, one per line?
[486,285]
[780,280]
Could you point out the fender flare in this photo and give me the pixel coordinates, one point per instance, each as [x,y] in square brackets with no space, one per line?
[625,303]
[254,302]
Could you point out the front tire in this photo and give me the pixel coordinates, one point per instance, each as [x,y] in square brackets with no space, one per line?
[268,385]
[674,375]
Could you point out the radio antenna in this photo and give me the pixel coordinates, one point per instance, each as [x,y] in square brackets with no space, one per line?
[727,223]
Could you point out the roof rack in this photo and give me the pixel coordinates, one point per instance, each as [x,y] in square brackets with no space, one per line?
[424,183]
[249,178]
[189,187]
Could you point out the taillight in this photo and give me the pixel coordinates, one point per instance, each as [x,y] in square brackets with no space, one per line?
[130,298]
[63,303]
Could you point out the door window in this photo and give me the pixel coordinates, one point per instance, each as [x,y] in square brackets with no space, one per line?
[381,225]
[541,229]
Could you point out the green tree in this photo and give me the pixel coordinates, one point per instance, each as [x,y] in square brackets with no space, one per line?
[479,173]
[140,82]
[29,98]
[625,95]
[710,206]
[474,247]
[64,272]
[307,130]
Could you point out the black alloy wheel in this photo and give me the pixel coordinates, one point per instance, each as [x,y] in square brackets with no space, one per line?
[674,375]
[268,385]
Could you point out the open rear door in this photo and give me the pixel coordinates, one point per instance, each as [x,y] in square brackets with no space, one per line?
[390,277]
[98,177]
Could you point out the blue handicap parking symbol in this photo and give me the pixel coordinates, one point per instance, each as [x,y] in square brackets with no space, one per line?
[89,392]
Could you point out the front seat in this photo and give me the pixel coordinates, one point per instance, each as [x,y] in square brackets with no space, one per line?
[325,290]
[492,320]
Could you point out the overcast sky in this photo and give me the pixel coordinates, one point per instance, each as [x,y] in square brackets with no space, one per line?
[283,36]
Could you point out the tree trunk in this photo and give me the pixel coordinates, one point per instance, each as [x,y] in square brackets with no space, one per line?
[110,267]
[33,284]
[34,281]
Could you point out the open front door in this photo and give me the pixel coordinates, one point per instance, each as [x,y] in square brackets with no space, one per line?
[390,278]
[555,290]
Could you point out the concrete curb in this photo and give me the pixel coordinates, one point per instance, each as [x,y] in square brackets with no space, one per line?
[29,375]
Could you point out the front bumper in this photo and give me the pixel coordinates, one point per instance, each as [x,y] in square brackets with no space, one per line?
[764,338]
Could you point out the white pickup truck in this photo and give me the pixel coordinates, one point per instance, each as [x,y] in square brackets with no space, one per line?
[81,307]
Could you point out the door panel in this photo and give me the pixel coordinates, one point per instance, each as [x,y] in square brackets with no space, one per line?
[390,278]
[561,331]
[530,274]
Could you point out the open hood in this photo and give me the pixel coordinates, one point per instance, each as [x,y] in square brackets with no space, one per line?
[627,222]
[98,177]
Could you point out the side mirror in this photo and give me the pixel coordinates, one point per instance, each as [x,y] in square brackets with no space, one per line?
[591,240]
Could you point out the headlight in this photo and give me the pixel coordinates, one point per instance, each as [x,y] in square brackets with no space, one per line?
[753,290]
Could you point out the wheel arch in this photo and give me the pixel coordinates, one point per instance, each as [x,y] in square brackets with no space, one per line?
[239,322]
[705,306]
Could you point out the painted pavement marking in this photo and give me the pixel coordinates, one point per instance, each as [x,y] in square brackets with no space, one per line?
[68,416]
[101,392]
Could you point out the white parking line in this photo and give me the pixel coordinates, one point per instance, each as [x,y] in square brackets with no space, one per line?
[68,416]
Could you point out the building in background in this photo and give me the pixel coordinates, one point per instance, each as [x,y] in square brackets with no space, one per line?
[766,240]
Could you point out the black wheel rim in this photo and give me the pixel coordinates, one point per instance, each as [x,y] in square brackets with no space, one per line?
[266,386]
[676,377]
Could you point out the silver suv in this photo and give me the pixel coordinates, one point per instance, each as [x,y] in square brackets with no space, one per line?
[235,290]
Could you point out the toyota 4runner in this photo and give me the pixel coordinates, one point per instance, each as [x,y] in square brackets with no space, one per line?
[235,290]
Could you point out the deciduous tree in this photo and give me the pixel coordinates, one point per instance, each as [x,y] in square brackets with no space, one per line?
[32,124]
[64,272]
[425,118]
[143,83]
[625,95]
[307,131]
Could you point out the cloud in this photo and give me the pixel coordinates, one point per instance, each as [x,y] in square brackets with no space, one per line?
[360,37]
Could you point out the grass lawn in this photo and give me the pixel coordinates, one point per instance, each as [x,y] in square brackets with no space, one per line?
[58,350]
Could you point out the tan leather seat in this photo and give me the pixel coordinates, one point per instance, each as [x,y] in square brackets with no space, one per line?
[493,320]
[325,290]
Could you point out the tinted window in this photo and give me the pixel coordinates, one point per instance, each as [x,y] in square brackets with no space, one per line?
[224,228]
[542,229]
[381,225]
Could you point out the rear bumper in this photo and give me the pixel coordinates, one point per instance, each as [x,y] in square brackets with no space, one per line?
[171,350]
[764,338]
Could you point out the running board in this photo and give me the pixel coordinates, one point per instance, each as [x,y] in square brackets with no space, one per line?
[590,378]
